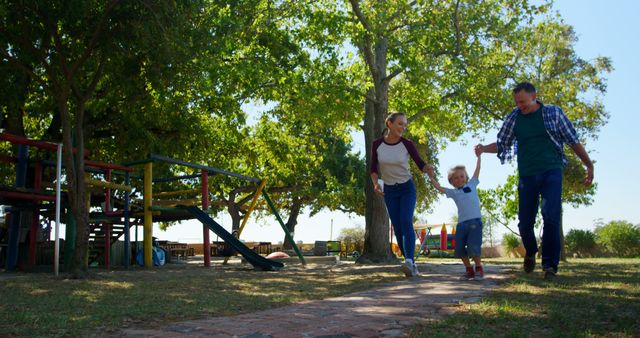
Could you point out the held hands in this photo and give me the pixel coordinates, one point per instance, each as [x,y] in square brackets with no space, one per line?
[478,149]
[378,190]
[588,180]
[378,187]
[429,170]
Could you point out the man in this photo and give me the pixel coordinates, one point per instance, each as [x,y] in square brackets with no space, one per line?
[536,133]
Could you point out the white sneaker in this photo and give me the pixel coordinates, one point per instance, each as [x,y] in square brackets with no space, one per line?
[415,270]
[407,270]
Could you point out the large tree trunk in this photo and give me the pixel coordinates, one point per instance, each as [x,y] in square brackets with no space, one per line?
[376,241]
[75,173]
[235,208]
[374,52]
[234,212]
[292,221]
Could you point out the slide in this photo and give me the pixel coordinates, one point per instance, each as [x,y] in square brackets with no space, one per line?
[256,260]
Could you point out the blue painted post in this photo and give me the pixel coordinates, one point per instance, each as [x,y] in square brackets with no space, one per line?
[14,227]
[127,239]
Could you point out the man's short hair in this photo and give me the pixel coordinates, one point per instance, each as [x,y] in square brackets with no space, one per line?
[524,86]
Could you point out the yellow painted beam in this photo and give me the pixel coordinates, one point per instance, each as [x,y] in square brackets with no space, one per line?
[177,192]
[105,184]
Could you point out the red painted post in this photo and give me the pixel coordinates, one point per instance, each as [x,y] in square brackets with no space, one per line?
[206,242]
[443,237]
[35,220]
[453,238]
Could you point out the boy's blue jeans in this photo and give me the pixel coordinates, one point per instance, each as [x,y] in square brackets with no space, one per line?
[531,189]
[468,238]
[400,200]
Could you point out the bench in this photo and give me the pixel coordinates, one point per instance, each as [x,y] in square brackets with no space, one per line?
[179,250]
[263,248]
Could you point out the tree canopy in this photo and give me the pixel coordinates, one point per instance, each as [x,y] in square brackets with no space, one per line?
[128,78]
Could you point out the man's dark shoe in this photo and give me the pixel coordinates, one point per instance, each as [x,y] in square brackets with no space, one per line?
[550,274]
[529,263]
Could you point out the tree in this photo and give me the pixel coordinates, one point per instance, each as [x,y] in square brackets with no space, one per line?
[66,49]
[300,144]
[464,49]
[352,239]
[488,231]
[311,167]
[173,81]
[620,238]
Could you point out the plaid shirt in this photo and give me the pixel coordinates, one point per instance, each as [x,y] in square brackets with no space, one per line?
[558,126]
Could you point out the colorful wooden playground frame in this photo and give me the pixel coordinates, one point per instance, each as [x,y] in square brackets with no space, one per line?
[442,241]
[112,211]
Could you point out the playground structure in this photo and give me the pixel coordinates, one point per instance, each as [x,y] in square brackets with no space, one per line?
[31,196]
[441,241]
[113,213]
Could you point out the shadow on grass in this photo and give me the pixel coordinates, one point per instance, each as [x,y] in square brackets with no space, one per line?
[41,305]
[594,297]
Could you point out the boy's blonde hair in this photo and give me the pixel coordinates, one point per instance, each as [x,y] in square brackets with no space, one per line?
[453,171]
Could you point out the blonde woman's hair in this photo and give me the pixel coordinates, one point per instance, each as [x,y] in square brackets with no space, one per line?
[391,118]
[453,170]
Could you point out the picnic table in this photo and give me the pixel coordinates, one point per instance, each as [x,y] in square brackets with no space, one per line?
[176,249]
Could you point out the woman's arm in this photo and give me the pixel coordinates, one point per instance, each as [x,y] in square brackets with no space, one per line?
[433,180]
[376,185]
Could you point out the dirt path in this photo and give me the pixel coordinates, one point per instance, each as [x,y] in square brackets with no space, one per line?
[388,311]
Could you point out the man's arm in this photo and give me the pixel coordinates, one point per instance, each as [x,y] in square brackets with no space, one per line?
[489,148]
[584,157]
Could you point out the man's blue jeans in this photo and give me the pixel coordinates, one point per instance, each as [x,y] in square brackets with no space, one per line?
[400,200]
[548,188]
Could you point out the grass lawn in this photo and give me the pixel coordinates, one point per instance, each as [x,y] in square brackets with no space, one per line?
[37,304]
[592,297]
[595,297]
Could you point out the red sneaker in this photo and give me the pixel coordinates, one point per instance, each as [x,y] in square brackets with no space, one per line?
[479,274]
[468,275]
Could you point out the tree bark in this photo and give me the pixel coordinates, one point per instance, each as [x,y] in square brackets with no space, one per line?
[80,204]
[376,238]
[234,211]
[292,221]
[374,52]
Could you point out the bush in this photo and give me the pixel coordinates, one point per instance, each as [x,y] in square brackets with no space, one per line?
[511,244]
[621,238]
[581,242]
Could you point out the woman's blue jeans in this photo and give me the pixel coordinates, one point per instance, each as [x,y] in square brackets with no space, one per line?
[400,200]
[531,190]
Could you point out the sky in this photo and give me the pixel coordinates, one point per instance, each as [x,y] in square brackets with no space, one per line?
[604,28]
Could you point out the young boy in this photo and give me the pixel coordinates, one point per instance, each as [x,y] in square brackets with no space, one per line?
[469,228]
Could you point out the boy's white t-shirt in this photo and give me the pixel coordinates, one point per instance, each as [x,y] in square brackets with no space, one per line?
[466,199]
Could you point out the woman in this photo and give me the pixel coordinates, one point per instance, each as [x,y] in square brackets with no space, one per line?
[390,161]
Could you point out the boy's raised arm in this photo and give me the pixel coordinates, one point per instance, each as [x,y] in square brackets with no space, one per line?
[476,173]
